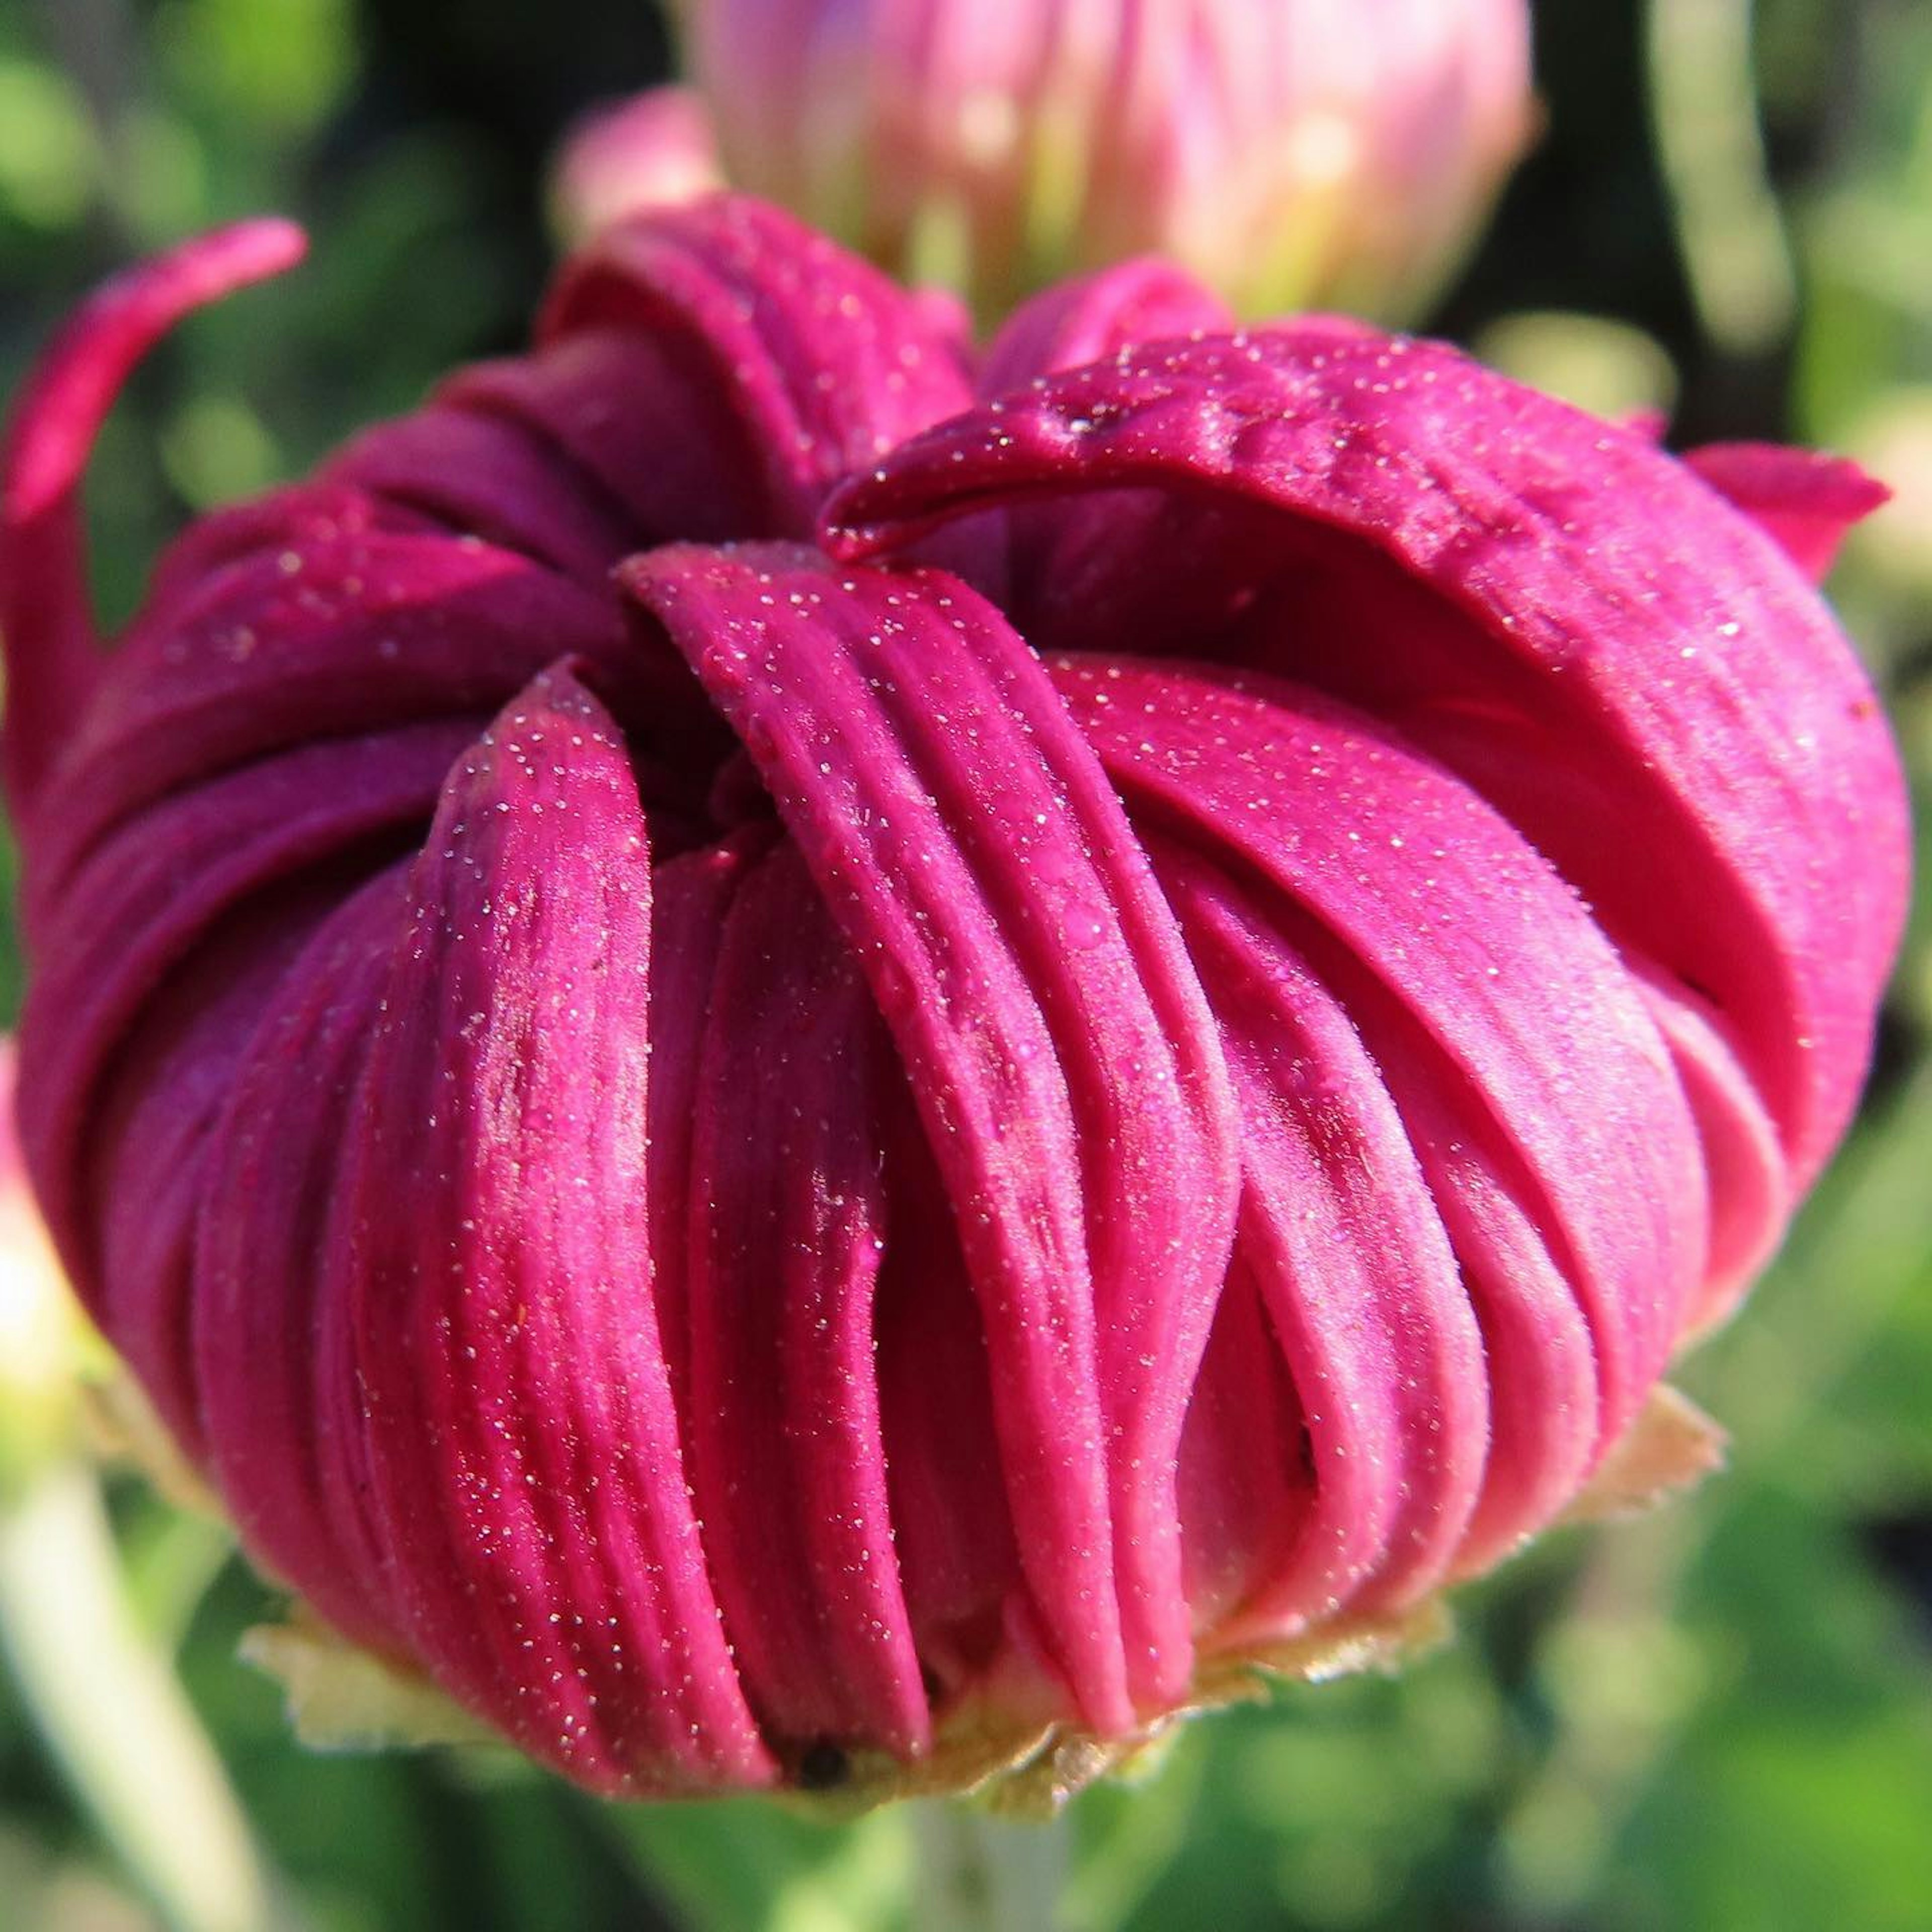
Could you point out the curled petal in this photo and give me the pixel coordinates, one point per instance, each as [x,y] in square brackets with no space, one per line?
[274,1365]
[1094,316]
[825,364]
[787,1226]
[1806,500]
[1576,611]
[349,633]
[170,885]
[527,1474]
[45,618]
[1477,981]
[1057,1043]
[646,427]
[1346,1253]
[491,476]
[909,1165]
[135,1180]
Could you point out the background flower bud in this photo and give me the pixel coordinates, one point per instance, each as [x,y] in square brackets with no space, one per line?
[808,1058]
[1289,152]
[654,150]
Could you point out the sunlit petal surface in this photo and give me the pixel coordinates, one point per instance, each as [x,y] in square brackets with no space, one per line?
[792,1050]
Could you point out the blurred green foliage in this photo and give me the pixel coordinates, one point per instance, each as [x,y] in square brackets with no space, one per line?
[1719,1717]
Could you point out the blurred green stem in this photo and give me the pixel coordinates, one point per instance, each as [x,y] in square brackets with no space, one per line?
[978,1873]
[112,1712]
[1703,101]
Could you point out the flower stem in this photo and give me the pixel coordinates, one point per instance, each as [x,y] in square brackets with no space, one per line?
[113,1715]
[978,1872]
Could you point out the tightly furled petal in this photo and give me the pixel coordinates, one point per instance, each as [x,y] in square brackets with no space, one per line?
[1558,611]
[793,1161]
[1057,1042]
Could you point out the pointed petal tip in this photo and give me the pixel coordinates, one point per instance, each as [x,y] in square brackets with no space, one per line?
[1806,501]
[46,622]
[61,408]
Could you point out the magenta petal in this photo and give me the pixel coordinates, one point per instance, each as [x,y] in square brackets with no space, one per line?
[787,1226]
[977,861]
[1247,1475]
[123,925]
[1415,899]
[356,631]
[528,1487]
[488,476]
[643,422]
[1365,1308]
[825,363]
[273,1364]
[1595,589]
[958,1563]
[1806,500]
[1093,316]
[903,1155]
[136,1183]
[45,617]
[1751,1189]
[299,517]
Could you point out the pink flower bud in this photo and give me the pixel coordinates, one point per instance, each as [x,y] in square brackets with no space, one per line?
[654,150]
[797,1064]
[1285,151]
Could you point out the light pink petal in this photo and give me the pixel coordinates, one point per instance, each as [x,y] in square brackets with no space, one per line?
[639,152]
[528,1485]
[977,861]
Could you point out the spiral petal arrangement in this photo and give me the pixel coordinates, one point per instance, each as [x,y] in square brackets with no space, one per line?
[778,1055]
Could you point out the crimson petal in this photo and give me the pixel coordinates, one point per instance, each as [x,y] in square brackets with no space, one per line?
[527,1471]
[1450,942]
[1807,500]
[978,863]
[787,1226]
[1093,316]
[825,363]
[1574,586]
[273,1361]
[43,608]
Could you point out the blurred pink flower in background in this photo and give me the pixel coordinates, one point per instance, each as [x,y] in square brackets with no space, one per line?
[1289,152]
[654,150]
[806,1056]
